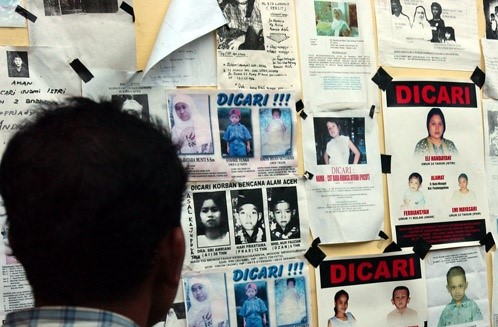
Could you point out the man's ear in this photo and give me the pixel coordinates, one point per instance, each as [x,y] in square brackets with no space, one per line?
[170,257]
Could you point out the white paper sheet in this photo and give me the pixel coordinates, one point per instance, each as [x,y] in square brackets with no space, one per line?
[103,33]
[344,196]
[405,40]
[177,30]
[439,208]
[337,69]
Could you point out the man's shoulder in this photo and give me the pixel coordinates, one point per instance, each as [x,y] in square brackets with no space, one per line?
[66,315]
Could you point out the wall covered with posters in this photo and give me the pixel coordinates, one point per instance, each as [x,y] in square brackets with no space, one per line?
[361,127]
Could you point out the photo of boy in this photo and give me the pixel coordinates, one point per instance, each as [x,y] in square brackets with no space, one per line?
[283,213]
[461,309]
[401,316]
[254,309]
[413,197]
[236,135]
[18,63]
[248,216]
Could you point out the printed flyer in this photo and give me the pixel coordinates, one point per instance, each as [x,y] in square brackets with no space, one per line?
[257,295]
[433,132]
[457,287]
[382,290]
[341,150]
[232,223]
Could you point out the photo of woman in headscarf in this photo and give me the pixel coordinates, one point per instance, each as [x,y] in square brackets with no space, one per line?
[206,305]
[190,126]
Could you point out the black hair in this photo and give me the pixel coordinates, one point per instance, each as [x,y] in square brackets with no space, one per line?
[276,110]
[456,271]
[291,280]
[220,200]
[415,175]
[337,296]
[90,191]
[463,175]
[401,288]
[433,112]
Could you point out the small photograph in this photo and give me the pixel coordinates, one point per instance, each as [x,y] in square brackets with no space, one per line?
[175,317]
[491,16]
[69,7]
[493,133]
[17,64]
[402,315]
[342,316]
[236,132]
[249,222]
[251,300]
[9,257]
[435,142]
[190,122]
[206,300]
[340,141]
[336,19]
[276,131]
[463,196]
[399,20]
[290,296]
[413,197]
[136,102]
[244,30]
[283,213]
[211,219]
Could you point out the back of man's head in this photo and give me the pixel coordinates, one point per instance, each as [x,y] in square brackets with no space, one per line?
[89,191]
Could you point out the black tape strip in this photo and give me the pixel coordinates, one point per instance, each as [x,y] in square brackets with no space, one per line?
[383,235]
[81,70]
[393,247]
[478,77]
[26,14]
[372,111]
[382,78]
[315,255]
[308,175]
[385,161]
[299,105]
[129,9]
[488,241]
[303,114]
[421,248]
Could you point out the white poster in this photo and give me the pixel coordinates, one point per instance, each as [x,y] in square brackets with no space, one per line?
[457,288]
[428,34]
[257,49]
[437,184]
[337,54]
[341,150]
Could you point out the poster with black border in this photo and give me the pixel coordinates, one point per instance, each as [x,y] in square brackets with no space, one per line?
[437,185]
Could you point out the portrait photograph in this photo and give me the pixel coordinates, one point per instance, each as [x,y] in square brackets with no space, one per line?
[236,132]
[136,102]
[276,131]
[251,301]
[340,141]
[17,62]
[211,219]
[336,19]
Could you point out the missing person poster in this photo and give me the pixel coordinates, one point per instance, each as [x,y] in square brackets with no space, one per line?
[233,134]
[253,295]
[457,288]
[232,223]
[428,34]
[433,132]
[381,290]
[337,53]
[341,151]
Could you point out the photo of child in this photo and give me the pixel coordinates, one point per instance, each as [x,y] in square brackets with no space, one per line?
[236,135]
[401,316]
[290,296]
[276,131]
[413,197]
[253,304]
[461,309]
[283,213]
[248,216]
